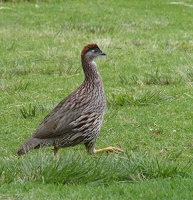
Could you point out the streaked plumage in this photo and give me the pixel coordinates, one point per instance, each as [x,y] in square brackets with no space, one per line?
[78,118]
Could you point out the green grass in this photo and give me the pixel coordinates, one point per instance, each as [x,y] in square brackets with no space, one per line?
[147,76]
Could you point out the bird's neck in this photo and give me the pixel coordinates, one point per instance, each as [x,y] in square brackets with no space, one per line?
[91,72]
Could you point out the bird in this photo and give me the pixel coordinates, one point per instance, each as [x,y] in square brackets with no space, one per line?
[77,119]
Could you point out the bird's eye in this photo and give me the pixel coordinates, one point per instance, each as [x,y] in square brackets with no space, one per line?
[95,51]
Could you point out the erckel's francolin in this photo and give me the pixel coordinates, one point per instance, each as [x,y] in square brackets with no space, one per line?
[76,119]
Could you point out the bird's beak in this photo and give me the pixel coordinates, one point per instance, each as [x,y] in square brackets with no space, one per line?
[103,53]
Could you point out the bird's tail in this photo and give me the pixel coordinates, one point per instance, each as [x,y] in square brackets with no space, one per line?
[31,143]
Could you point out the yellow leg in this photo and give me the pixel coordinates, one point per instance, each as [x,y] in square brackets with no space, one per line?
[110,149]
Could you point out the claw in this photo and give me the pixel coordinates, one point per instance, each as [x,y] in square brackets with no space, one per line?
[110,149]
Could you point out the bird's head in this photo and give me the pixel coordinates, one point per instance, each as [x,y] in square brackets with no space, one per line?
[91,51]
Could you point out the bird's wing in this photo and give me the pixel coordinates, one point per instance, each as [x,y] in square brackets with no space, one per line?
[49,127]
[58,121]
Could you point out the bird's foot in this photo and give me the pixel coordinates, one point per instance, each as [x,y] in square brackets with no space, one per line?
[110,149]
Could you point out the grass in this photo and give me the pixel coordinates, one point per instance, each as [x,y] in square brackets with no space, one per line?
[138,97]
[147,76]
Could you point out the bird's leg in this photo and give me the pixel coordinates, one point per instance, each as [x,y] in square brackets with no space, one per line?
[55,150]
[110,149]
[90,147]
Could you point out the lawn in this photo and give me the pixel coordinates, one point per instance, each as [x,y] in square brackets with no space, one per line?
[148,80]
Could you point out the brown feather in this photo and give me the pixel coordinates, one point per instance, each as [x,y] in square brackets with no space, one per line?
[76,119]
[87,48]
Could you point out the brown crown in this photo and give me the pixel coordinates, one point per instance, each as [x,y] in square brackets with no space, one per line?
[87,48]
